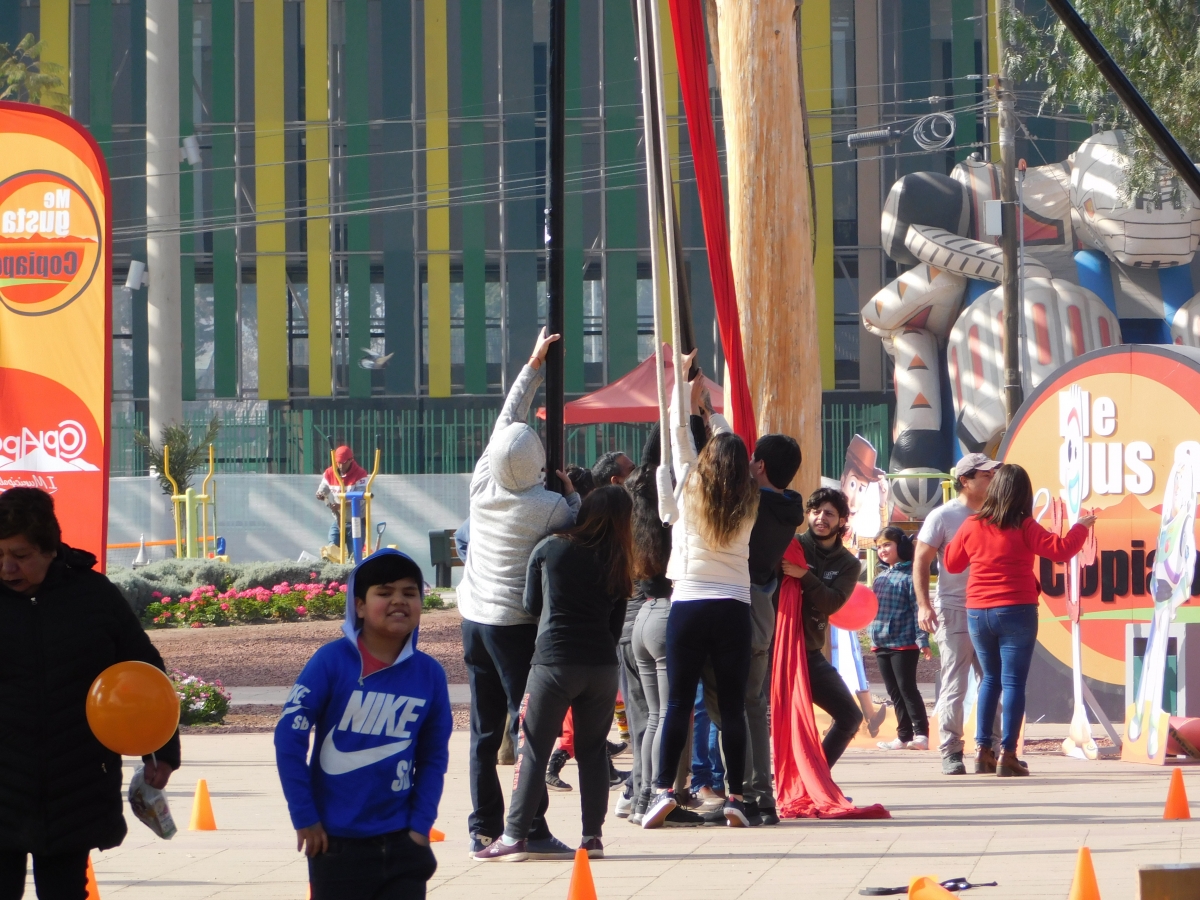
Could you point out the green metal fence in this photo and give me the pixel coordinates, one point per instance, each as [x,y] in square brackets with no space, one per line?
[442,441]
[841,421]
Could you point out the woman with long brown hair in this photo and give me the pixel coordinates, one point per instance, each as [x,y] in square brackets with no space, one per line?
[999,543]
[577,584]
[710,601]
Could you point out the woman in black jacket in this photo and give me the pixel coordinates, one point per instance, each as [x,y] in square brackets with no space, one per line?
[63,624]
[576,584]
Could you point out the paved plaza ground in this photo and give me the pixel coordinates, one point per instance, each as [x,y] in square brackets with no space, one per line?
[1022,833]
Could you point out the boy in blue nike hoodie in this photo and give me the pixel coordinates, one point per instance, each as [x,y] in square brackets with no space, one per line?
[365,802]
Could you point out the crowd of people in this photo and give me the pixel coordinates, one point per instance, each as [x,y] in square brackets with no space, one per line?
[699,594]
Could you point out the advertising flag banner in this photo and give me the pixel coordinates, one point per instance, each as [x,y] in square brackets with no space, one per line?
[55,317]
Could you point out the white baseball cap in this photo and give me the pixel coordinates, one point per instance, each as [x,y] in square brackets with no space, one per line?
[974,462]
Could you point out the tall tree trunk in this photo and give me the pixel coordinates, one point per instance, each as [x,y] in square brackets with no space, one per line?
[769,220]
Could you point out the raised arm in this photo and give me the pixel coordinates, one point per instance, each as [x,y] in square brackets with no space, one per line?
[1051,546]
[520,395]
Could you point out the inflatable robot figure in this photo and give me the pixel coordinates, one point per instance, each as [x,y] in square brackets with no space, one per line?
[1090,257]
[1174,563]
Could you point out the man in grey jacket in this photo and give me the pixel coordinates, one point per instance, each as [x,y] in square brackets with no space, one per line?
[511,511]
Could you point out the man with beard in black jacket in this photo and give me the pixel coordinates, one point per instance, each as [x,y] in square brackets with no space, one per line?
[827,582]
[775,462]
[64,624]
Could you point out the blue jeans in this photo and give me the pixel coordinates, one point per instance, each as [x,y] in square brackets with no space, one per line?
[707,769]
[1004,638]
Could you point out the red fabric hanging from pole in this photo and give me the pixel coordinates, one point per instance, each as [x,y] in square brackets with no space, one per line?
[687,21]
[804,787]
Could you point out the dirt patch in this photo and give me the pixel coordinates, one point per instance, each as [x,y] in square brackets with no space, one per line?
[273,655]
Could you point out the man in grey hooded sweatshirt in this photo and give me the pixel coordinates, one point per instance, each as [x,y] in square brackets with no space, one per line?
[511,511]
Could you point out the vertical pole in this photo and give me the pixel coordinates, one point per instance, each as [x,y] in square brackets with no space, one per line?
[555,237]
[162,213]
[1013,394]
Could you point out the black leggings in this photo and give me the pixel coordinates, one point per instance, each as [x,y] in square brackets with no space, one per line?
[898,668]
[700,630]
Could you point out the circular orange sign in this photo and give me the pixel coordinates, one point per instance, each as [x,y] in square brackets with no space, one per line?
[50,242]
[1102,434]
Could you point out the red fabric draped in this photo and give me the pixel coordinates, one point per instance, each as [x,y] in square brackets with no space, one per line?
[804,787]
[687,20]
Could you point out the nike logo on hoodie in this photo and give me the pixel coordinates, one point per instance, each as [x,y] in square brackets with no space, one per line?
[371,714]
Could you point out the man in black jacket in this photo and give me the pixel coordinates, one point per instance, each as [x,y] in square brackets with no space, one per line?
[64,624]
[826,584]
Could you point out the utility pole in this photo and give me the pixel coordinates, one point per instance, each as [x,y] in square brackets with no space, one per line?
[162,214]
[555,240]
[1013,393]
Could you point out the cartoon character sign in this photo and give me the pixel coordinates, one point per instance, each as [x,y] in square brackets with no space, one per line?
[866,488]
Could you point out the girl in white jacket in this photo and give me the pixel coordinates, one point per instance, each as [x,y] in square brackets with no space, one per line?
[710,604]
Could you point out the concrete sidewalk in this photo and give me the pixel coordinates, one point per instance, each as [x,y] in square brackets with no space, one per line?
[1023,834]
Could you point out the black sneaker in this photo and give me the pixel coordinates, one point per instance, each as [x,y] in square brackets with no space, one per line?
[768,816]
[713,816]
[658,810]
[616,777]
[498,851]
[952,764]
[549,848]
[735,814]
[682,818]
[594,848]
[753,816]
[554,783]
[616,748]
[640,806]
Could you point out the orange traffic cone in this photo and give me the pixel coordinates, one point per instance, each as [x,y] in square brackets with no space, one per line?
[582,887]
[926,887]
[1177,801]
[1084,886]
[202,812]
[435,836]
[93,889]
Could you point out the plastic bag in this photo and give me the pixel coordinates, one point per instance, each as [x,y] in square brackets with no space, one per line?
[149,804]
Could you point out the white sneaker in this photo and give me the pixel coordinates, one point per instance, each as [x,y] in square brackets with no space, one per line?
[897,744]
[920,742]
[624,806]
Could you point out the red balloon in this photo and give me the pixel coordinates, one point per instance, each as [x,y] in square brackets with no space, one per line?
[859,611]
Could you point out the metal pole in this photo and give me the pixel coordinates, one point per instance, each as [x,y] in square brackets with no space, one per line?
[162,214]
[556,237]
[1013,394]
[1128,94]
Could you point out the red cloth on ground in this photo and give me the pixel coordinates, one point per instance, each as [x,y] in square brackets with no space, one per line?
[687,19]
[1001,559]
[566,741]
[804,787]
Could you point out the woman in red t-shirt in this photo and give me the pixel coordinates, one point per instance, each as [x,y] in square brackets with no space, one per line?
[999,543]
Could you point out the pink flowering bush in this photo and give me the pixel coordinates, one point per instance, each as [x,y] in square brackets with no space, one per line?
[282,602]
[200,702]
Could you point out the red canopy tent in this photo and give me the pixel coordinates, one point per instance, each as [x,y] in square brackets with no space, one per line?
[633,398]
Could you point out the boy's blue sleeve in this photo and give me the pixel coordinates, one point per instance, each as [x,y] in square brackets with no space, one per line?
[302,710]
[432,756]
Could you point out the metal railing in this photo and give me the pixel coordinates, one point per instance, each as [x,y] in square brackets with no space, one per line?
[439,441]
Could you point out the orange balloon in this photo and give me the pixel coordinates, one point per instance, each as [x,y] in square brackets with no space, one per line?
[132,708]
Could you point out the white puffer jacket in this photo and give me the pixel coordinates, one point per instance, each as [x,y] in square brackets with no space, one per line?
[692,558]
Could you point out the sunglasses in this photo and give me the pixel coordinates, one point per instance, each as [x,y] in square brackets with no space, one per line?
[950,884]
